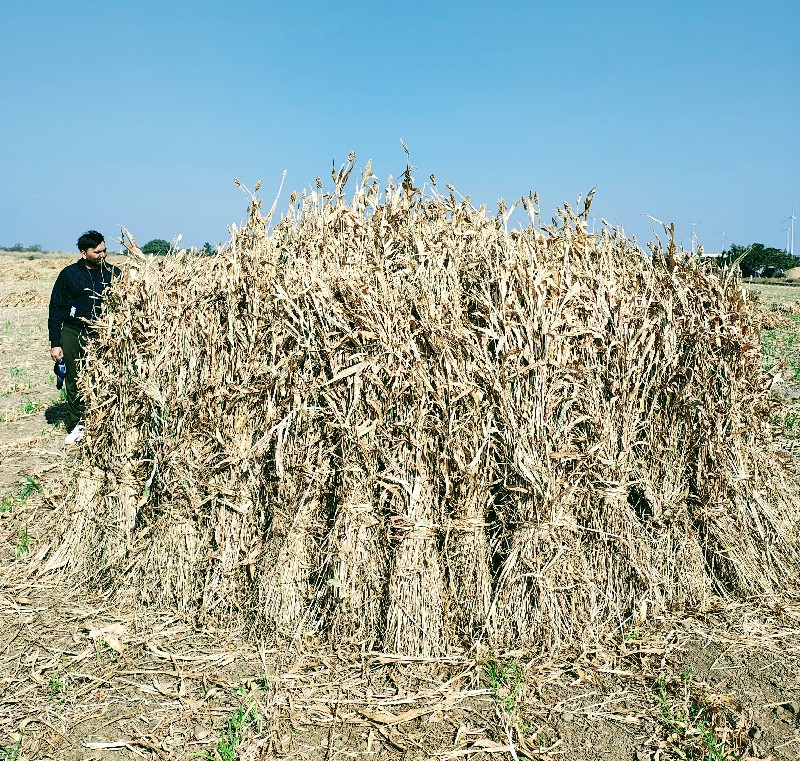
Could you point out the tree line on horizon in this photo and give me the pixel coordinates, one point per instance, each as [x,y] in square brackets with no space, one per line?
[157,246]
[161,247]
[757,257]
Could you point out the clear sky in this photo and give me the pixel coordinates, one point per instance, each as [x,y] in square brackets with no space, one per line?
[141,113]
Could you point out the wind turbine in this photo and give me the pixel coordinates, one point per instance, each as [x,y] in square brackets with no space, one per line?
[694,236]
[790,237]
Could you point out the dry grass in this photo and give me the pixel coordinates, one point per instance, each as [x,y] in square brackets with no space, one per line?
[391,424]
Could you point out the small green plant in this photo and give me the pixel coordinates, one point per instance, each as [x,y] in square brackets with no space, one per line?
[101,648]
[30,486]
[23,541]
[685,722]
[28,407]
[11,753]
[17,372]
[233,732]
[58,685]
[714,750]
[507,680]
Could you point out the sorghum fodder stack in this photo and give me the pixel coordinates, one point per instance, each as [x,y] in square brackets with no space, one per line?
[390,422]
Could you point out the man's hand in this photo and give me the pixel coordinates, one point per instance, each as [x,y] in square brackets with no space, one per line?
[56,353]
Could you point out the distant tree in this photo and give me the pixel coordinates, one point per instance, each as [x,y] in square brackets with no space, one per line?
[157,246]
[208,249]
[18,247]
[757,255]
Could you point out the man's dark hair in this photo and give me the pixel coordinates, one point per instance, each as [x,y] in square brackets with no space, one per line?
[90,239]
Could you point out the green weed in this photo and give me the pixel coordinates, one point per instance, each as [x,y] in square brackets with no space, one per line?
[58,685]
[233,732]
[687,723]
[23,541]
[17,372]
[11,753]
[101,648]
[29,486]
[714,749]
[28,407]
[507,680]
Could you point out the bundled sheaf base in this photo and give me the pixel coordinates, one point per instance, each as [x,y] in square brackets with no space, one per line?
[389,422]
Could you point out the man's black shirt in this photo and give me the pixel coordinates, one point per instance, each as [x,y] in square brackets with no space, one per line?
[77,297]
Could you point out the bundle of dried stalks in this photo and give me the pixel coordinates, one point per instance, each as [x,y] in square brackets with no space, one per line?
[391,422]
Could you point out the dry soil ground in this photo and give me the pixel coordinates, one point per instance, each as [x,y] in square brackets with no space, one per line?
[84,677]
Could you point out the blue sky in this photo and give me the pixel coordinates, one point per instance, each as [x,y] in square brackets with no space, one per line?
[142,113]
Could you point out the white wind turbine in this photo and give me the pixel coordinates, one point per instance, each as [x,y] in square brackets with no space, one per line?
[694,236]
[790,235]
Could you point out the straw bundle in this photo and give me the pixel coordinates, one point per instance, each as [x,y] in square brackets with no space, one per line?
[389,422]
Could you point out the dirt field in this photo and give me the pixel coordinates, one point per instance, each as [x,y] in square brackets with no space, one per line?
[83,677]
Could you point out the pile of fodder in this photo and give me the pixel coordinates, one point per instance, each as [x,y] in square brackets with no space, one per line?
[24,299]
[392,423]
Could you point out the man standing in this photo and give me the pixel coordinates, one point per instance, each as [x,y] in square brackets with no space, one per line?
[74,304]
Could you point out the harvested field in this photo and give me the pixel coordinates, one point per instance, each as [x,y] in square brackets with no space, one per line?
[169,593]
[780,292]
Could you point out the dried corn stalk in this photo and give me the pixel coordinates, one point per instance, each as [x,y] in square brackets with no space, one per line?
[391,423]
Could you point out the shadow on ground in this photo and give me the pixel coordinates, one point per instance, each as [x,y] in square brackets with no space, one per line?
[56,413]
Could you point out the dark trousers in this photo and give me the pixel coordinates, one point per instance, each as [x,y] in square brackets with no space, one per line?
[72,343]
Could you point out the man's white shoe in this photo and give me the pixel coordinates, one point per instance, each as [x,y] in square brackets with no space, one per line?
[75,435]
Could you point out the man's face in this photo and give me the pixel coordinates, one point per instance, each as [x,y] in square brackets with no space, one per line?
[94,256]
